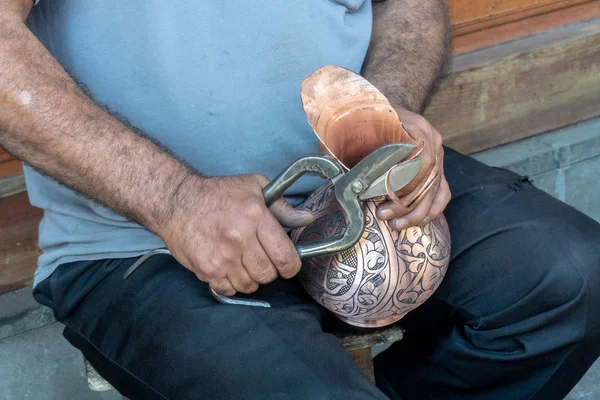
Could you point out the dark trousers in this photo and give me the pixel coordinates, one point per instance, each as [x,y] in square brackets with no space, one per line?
[516,317]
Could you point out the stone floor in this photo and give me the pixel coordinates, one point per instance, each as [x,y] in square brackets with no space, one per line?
[36,362]
[564,163]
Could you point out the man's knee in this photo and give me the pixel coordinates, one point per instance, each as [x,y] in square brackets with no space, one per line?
[582,250]
[551,284]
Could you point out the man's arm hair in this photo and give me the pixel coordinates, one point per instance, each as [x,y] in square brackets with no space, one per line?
[409,52]
[47,121]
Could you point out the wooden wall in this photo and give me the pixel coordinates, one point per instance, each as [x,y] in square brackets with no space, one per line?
[519,89]
[478,24]
[18,241]
[469,16]
[8,165]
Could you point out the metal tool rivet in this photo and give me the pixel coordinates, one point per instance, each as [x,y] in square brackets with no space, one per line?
[357,187]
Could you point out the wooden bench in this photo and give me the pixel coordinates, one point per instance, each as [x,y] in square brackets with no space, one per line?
[358,342]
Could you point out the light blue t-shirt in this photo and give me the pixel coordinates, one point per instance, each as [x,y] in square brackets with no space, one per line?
[216,82]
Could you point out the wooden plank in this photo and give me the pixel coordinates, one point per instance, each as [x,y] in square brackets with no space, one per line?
[12,185]
[363,359]
[359,338]
[468,16]
[4,156]
[525,27]
[10,168]
[18,241]
[520,89]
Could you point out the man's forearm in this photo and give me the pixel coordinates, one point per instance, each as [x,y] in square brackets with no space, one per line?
[409,50]
[47,121]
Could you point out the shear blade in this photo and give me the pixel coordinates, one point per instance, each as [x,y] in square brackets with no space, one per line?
[372,167]
[400,176]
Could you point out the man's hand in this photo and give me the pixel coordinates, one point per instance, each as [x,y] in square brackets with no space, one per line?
[401,216]
[408,56]
[222,231]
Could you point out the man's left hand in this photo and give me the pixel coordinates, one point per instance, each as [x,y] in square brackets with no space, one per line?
[433,203]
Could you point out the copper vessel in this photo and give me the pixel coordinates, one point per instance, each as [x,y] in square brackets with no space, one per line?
[387,273]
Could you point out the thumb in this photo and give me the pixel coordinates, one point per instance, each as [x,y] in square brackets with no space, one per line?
[289,216]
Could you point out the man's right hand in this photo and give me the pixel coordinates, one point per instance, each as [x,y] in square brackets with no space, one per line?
[222,231]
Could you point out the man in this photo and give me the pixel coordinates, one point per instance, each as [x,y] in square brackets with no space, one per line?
[213,88]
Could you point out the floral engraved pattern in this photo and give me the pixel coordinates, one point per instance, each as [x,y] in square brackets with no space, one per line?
[384,276]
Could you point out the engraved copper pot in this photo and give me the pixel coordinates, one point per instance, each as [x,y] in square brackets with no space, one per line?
[387,273]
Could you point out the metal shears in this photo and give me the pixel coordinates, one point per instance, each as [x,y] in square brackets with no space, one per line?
[372,177]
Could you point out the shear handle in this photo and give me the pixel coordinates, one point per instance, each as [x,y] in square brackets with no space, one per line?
[219,297]
[324,165]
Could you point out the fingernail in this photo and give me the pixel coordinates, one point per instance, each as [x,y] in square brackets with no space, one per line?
[298,219]
[399,224]
[385,213]
[306,215]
